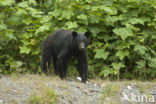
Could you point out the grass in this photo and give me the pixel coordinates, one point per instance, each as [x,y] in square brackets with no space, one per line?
[41,92]
[109,90]
[142,87]
[48,96]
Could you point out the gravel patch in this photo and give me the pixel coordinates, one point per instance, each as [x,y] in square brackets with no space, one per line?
[18,89]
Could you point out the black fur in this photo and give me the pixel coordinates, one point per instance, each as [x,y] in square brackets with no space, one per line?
[60,47]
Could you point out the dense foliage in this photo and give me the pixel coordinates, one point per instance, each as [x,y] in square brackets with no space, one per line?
[123,42]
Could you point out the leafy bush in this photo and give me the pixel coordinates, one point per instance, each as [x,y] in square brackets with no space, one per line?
[123,34]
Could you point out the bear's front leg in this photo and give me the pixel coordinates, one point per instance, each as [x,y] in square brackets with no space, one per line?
[83,65]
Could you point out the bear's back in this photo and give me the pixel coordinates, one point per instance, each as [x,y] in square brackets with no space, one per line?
[61,33]
[58,39]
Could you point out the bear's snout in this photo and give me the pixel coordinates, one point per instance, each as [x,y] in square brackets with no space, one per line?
[82,46]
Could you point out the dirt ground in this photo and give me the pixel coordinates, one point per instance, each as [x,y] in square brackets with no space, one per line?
[18,89]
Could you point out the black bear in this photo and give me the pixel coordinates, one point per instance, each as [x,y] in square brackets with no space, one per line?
[60,47]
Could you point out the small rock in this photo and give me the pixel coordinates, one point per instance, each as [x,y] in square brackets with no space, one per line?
[86,92]
[95,84]
[1,101]
[129,87]
[102,85]
[152,93]
[108,98]
[87,82]
[79,78]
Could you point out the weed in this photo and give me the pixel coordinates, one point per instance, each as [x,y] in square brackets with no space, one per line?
[35,99]
[49,97]
[109,91]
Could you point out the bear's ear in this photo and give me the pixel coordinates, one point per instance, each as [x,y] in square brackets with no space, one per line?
[87,34]
[74,33]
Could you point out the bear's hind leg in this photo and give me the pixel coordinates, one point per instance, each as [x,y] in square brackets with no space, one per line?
[46,60]
[54,60]
[61,65]
[65,69]
[44,63]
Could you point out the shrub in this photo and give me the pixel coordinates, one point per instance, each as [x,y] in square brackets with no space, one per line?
[123,34]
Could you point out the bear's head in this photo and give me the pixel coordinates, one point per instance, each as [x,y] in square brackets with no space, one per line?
[81,41]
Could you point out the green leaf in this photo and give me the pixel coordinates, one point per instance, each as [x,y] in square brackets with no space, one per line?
[3,41]
[123,45]
[24,49]
[140,48]
[15,64]
[67,14]
[15,20]
[153,63]
[27,35]
[109,20]
[36,51]
[105,71]
[82,30]
[34,12]
[87,7]
[82,16]
[45,19]
[123,32]
[32,2]
[71,25]
[108,2]
[136,29]
[94,30]
[88,1]
[7,2]
[27,21]
[56,12]
[118,65]
[134,21]
[109,10]
[19,64]
[9,35]
[43,28]
[3,26]
[95,8]
[121,54]
[23,4]
[25,42]
[140,64]
[94,19]
[101,54]
[21,11]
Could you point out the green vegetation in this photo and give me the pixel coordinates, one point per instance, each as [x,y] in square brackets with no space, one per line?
[49,97]
[110,90]
[122,43]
